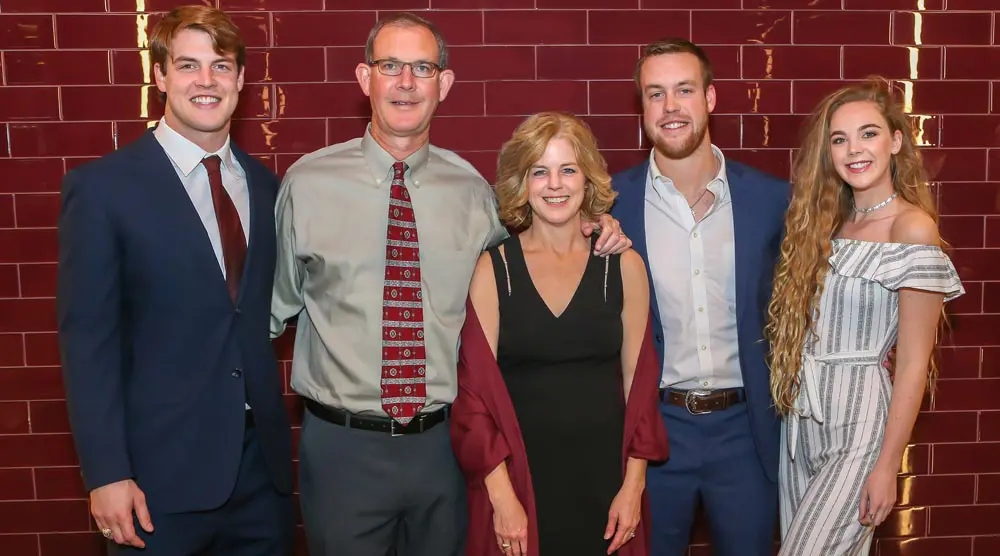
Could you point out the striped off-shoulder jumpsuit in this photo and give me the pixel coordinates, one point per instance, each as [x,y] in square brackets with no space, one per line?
[831,443]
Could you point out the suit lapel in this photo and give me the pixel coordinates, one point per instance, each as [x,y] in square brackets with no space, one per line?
[169,196]
[632,216]
[746,240]
[258,214]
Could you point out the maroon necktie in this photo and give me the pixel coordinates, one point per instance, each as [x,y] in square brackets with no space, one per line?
[234,243]
[403,355]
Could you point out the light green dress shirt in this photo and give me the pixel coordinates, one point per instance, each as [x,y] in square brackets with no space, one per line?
[332,213]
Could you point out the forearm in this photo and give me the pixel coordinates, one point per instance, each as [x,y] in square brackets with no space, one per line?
[498,483]
[635,473]
[907,394]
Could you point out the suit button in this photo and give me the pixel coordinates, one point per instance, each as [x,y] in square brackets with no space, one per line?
[237,373]
[659,337]
[238,311]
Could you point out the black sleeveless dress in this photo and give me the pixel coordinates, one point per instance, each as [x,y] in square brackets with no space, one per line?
[564,379]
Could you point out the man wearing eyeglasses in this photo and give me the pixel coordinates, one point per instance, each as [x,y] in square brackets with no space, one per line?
[377,241]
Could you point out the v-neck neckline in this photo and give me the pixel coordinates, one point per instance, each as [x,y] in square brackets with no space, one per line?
[538,294]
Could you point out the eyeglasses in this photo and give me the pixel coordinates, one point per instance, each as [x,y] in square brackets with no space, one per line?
[393,68]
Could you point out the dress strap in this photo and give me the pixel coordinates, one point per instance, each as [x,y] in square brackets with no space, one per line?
[501,273]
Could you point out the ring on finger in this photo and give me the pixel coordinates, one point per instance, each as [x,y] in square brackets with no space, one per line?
[108,534]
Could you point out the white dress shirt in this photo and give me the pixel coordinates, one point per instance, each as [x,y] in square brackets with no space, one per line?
[694,280]
[186,158]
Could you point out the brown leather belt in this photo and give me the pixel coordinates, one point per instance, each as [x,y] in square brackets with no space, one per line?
[699,402]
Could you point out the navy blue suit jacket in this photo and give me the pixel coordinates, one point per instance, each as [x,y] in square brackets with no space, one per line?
[759,205]
[157,359]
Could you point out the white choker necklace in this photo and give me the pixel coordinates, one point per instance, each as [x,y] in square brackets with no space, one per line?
[875,207]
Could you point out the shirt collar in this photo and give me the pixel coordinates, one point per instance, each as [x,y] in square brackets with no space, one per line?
[719,186]
[185,154]
[380,161]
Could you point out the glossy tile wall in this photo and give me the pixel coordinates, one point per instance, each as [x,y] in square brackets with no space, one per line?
[76,83]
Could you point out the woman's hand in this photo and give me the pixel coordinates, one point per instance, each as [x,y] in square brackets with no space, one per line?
[624,515]
[510,524]
[878,496]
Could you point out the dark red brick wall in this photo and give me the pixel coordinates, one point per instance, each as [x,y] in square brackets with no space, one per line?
[74,86]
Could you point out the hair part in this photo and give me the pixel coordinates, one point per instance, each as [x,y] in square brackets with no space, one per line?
[675,46]
[407,19]
[225,35]
[821,204]
[526,147]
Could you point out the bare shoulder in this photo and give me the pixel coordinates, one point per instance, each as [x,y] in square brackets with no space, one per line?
[482,276]
[913,225]
[632,262]
[633,270]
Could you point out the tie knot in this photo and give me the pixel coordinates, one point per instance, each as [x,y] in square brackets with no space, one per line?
[398,169]
[212,163]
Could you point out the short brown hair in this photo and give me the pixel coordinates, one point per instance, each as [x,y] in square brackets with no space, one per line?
[675,46]
[406,19]
[226,38]
[528,144]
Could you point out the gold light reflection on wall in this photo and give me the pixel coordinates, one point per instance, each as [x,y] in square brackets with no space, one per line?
[142,42]
[265,97]
[905,490]
[918,28]
[921,5]
[265,128]
[908,522]
[753,94]
[769,63]
[918,128]
[767,130]
[907,96]
[914,61]
[281,102]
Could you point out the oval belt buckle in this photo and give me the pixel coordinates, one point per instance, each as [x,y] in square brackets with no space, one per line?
[692,396]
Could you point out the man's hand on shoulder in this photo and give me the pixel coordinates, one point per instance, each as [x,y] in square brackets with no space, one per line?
[612,240]
[112,506]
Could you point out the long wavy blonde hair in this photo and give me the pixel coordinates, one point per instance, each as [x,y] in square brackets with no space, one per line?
[821,203]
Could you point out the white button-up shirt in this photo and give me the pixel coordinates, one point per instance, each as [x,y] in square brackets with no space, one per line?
[186,158]
[694,280]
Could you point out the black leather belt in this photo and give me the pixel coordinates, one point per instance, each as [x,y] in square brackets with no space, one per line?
[419,424]
[699,402]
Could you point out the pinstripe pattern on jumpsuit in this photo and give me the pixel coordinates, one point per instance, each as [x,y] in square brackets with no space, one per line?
[831,443]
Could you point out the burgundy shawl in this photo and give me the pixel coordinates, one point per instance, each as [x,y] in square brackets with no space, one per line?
[485,432]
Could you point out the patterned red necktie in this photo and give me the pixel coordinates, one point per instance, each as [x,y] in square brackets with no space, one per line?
[234,243]
[403,355]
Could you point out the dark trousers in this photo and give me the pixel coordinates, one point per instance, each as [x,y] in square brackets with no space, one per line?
[371,494]
[255,521]
[712,458]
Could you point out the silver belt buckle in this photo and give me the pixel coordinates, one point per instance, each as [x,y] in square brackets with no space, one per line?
[392,428]
[689,398]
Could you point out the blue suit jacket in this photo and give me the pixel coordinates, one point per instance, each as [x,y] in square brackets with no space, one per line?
[759,205]
[157,359]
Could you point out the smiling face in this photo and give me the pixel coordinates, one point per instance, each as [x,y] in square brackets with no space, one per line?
[202,88]
[556,184]
[675,103]
[862,145]
[403,105]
